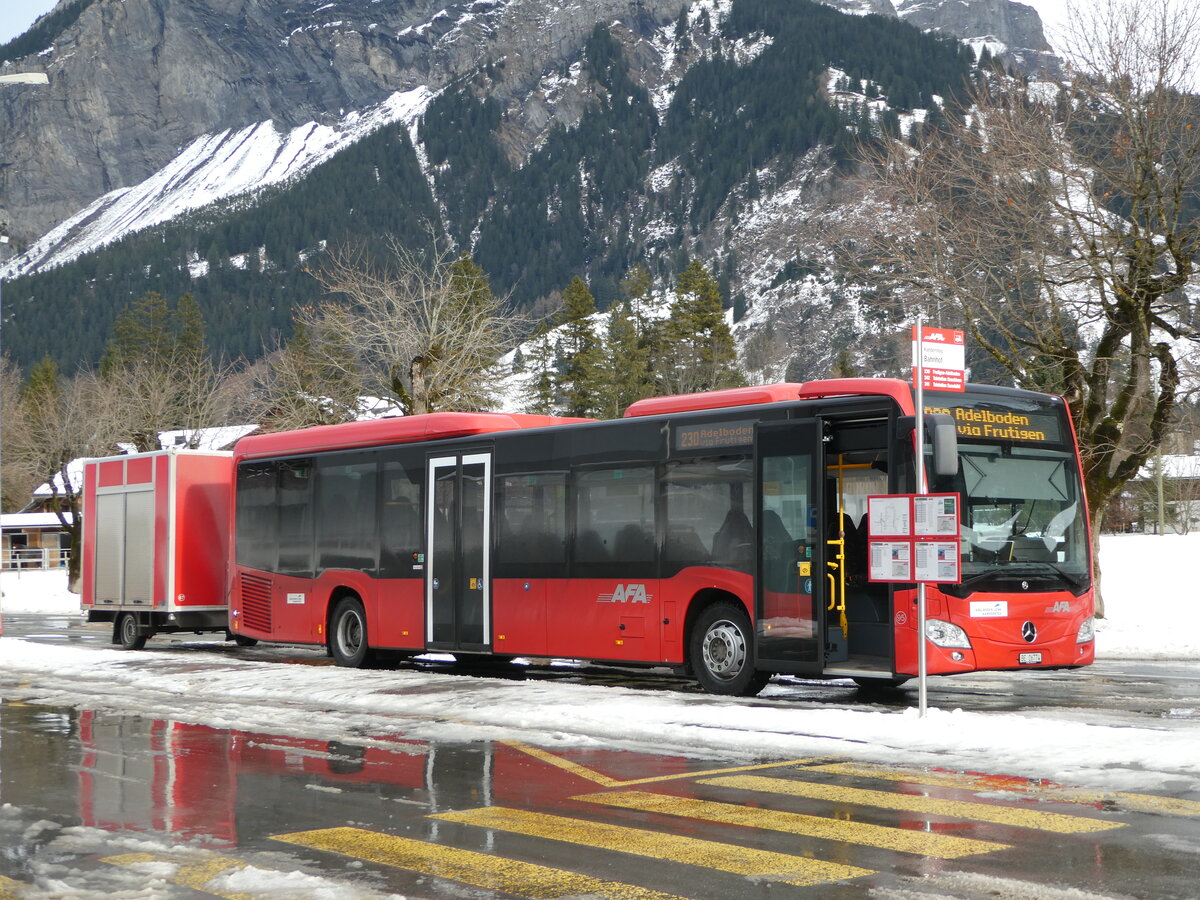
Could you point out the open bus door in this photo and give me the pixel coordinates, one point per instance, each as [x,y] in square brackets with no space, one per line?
[790,592]
[458,570]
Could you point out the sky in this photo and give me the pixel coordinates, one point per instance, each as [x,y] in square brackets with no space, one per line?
[17,15]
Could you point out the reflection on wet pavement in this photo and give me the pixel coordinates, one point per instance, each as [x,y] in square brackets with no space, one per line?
[107,803]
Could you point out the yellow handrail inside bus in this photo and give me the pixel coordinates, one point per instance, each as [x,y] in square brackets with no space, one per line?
[837,586]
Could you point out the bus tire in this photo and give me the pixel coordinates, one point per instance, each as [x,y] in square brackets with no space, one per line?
[127,633]
[721,652]
[348,635]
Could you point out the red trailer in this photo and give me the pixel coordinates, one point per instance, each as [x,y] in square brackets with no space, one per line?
[139,571]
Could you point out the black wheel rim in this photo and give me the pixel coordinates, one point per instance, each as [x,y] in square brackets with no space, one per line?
[350,634]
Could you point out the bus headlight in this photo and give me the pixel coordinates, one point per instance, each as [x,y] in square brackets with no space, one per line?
[944,634]
[1087,631]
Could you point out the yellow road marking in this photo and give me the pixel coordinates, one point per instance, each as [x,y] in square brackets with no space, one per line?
[194,875]
[592,775]
[564,764]
[657,845]
[1169,806]
[9,888]
[904,840]
[1151,803]
[495,873]
[960,809]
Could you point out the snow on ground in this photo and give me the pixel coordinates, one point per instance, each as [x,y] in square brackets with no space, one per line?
[1152,613]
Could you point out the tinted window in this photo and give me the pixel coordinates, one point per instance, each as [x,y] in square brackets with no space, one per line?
[625,440]
[614,522]
[531,525]
[400,517]
[707,503]
[295,518]
[257,524]
[346,512]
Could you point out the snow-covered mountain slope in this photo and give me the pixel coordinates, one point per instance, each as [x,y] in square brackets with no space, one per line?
[212,168]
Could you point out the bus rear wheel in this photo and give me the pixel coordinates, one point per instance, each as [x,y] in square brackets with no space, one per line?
[721,652]
[348,635]
[128,635]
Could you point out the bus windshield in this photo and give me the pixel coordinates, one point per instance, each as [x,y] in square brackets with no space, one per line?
[1022,505]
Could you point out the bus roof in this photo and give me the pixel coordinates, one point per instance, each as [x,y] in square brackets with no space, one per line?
[776,393]
[394,430]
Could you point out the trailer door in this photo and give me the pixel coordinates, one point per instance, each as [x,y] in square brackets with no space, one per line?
[790,592]
[458,537]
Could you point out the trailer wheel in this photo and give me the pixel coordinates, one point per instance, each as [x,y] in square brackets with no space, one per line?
[127,633]
[721,652]
[348,635]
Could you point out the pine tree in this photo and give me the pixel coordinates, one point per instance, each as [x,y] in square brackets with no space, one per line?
[699,353]
[160,356]
[580,365]
[626,370]
[541,362]
[150,331]
[638,286]
[44,385]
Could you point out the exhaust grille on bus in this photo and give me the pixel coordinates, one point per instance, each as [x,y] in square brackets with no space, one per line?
[256,602]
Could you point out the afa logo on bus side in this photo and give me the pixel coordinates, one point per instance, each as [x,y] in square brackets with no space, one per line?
[633,593]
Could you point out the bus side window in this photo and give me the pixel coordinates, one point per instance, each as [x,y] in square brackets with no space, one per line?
[257,523]
[615,522]
[530,525]
[346,502]
[400,521]
[295,518]
[708,521]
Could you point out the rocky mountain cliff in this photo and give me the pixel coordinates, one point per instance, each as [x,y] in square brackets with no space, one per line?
[134,82]
[1012,31]
[548,138]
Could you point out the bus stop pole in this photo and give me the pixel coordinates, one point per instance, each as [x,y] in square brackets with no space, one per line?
[922,685]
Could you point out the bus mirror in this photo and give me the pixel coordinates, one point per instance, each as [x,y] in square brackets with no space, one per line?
[942,435]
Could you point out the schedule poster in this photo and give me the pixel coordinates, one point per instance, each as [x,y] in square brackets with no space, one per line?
[891,561]
[913,537]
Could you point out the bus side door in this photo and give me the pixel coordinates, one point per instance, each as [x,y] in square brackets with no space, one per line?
[790,589]
[458,537]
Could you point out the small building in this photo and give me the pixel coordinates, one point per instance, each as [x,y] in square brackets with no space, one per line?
[34,540]
[1164,498]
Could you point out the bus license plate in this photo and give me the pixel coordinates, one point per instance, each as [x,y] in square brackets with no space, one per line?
[1029,659]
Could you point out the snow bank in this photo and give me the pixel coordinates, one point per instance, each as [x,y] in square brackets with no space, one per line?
[1151,613]
[33,591]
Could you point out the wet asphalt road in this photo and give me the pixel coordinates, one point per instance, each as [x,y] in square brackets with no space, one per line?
[100,804]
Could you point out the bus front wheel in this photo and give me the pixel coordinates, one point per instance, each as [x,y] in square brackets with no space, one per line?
[721,652]
[348,634]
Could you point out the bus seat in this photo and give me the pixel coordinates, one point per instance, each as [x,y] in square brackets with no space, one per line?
[733,544]
[634,544]
[589,547]
[774,532]
[684,545]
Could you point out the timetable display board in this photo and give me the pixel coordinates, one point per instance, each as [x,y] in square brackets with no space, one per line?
[913,537]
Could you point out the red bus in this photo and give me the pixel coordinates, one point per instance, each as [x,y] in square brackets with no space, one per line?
[721,533]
